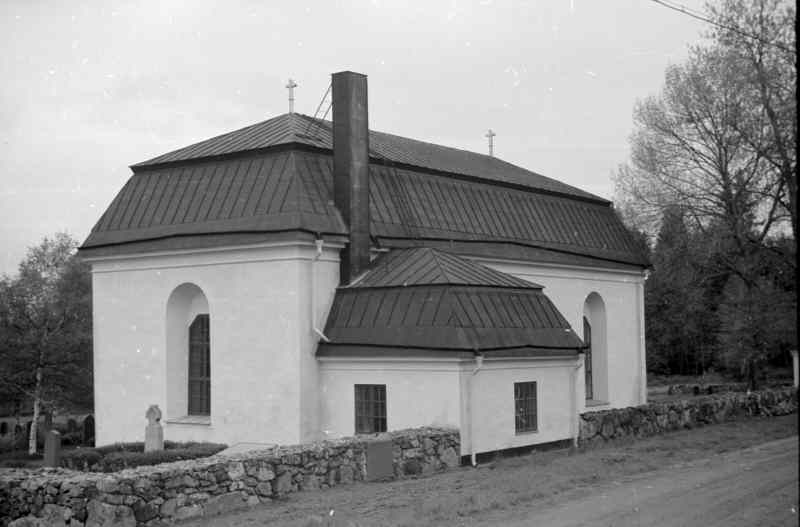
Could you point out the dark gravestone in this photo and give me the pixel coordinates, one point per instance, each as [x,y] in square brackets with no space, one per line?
[379,460]
[88,430]
[52,449]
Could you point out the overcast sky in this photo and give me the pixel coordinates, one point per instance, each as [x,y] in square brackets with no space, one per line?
[88,88]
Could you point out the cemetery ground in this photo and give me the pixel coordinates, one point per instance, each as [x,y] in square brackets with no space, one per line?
[737,473]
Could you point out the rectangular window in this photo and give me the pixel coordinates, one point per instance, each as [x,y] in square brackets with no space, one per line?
[525,415]
[370,408]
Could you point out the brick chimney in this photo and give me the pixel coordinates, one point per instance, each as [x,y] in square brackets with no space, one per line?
[351,168]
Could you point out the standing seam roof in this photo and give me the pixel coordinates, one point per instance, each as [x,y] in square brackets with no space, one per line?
[304,130]
[427,266]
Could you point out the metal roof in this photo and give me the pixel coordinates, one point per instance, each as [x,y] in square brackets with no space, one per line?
[453,305]
[291,190]
[260,193]
[448,317]
[427,266]
[301,129]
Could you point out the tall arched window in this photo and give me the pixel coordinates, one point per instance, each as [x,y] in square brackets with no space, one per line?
[596,359]
[587,338]
[199,367]
[188,353]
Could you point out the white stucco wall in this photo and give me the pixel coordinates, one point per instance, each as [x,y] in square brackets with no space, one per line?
[492,403]
[262,374]
[436,392]
[419,392]
[622,293]
[268,386]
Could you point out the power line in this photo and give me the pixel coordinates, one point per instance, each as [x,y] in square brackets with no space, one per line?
[704,18]
[319,107]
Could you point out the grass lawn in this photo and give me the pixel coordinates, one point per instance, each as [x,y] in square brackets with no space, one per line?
[506,486]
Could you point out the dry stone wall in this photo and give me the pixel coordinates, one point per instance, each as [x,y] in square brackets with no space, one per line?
[655,418]
[162,494]
[706,389]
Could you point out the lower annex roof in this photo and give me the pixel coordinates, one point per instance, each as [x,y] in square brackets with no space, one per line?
[477,310]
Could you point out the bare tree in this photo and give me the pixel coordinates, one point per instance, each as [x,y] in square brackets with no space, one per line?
[720,139]
[759,39]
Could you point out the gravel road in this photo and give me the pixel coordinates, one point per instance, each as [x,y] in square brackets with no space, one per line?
[700,477]
[753,487]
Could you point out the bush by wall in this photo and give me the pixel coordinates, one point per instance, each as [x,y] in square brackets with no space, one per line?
[119,456]
[155,495]
[655,418]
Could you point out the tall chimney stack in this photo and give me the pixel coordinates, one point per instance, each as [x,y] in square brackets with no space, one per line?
[351,167]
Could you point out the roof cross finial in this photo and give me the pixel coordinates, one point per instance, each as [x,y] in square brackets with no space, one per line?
[291,85]
[490,135]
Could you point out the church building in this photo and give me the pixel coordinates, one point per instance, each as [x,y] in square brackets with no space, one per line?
[302,279]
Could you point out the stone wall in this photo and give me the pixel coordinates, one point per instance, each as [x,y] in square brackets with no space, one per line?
[162,494]
[706,389]
[656,418]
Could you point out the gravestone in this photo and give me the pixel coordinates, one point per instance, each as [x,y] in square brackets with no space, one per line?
[88,430]
[52,448]
[379,460]
[154,433]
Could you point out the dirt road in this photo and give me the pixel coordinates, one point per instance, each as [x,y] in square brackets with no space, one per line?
[732,474]
[757,486]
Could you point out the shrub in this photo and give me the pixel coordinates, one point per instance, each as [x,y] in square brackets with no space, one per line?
[81,458]
[119,456]
[120,447]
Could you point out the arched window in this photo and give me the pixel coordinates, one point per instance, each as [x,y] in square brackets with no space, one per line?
[587,338]
[596,358]
[199,367]
[188,353]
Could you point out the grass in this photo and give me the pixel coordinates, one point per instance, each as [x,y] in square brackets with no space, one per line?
[507,486]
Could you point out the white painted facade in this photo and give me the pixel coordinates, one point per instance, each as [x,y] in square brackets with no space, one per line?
[267,386]
[620,368]
[263,370]
[452,392]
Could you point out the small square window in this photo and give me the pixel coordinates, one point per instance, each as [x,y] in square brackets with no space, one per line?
[370,408]
[525,414]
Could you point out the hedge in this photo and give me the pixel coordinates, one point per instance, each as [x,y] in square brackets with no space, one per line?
[119,456]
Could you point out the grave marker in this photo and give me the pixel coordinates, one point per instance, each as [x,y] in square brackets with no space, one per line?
[52,448]
[154,433]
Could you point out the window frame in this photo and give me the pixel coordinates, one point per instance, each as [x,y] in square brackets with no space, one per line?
[370,405]
[199,348]
[587,359]
[526,407]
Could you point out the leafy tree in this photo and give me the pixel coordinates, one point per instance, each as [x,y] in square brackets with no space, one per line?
[45,329]
[758,321]
[719,143]
[674,308]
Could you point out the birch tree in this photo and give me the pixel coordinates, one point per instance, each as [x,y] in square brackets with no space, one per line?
[45,329]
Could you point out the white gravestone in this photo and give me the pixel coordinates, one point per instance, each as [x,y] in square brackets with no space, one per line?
[154,433]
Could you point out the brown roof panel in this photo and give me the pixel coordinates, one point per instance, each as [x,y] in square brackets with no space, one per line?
[301,129]
[407,317]
[427,266]
[262,194]
[461,305]
[283,190]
